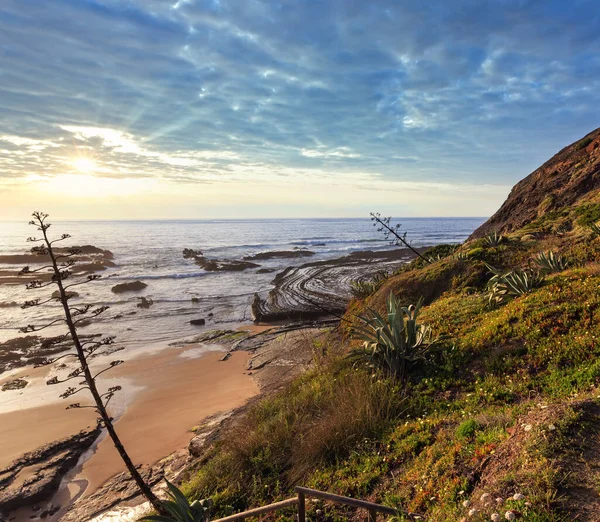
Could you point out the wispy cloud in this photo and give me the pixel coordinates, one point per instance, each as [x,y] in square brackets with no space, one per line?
[451,94]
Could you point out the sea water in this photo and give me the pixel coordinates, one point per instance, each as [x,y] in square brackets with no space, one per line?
[151,252]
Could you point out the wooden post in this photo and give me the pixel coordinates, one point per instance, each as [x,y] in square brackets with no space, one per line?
[372,515]
[301,507]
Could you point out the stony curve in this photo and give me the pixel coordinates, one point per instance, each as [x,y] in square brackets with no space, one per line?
[322,288]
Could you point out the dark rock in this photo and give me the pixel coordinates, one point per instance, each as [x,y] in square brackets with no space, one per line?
[286,254]
[133,286]
[265,270]
[145,303]
[189,253]
[198,322]
[15,384]
[50,462]
[70,294]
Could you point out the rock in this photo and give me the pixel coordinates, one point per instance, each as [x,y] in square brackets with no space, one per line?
[43,470]
[145,303]
[198,322]
[280,254]
[70,294]
[265,270]
[189,253]
[15,384]
[133,286]
[216,265]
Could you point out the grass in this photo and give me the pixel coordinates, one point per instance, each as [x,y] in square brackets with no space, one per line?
[454,430]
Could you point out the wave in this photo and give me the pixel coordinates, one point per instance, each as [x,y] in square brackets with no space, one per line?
[141,277]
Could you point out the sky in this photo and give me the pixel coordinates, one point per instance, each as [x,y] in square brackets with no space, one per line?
[142,109]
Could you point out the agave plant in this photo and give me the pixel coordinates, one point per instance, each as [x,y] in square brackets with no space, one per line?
[505,286]
[595,228]
[494,239]
[180,509]
[549,262]
[394,341]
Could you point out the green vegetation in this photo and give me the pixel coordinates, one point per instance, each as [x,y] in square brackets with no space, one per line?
[505,286]
[549,262]
[179,509]
[494,239]
[393,342]
[500,409]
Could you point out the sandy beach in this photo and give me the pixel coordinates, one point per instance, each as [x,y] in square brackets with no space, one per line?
[176,389]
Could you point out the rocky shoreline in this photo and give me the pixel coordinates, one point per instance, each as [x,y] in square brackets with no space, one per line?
[322,288]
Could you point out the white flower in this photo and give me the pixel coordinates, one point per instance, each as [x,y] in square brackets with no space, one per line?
[527,427]
[485,498]
[499,500]
[461,492]
[472,512]
[528,504]
[510,515]
[518,496]
[495,517]
[466,503]
[551,427]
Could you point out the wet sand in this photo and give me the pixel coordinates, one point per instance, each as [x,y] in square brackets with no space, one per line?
[26,430]
[179,393]
[181,387]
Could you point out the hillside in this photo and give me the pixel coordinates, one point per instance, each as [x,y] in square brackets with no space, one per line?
[498,418]
[553,192]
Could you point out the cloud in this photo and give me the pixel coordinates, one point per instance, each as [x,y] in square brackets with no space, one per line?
[200,91]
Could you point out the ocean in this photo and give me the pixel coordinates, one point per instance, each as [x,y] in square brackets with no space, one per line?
[151,252]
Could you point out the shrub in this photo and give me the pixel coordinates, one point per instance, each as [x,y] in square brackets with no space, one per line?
[467,429]
[549,262]
[363,289]
[505,286]
[595,228]
[395,341]
[588,214]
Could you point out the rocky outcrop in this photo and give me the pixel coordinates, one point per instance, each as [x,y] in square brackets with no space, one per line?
[283,254]
[35,477]
[571,176]
[321,288]
[133,286]
[217,265]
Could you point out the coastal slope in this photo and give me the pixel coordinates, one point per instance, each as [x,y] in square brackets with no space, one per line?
[567,181]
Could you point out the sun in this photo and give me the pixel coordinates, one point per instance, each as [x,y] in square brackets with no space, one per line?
[84,165]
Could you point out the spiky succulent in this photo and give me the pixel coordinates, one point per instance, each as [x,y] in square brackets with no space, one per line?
[595,228]
[503,287]
[180,509]
[549,262]
[494,239]
[396,340]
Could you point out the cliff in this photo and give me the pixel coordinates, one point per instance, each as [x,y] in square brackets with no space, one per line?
[569,179]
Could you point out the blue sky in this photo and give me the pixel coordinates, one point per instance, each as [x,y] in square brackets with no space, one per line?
[253,108]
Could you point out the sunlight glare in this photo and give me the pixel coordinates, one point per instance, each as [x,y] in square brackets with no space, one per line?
[84,165]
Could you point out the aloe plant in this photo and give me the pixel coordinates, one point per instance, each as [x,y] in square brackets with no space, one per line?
[505,286]
[180,509]
[494,239]
[549,262]
[396,340]
[362,289]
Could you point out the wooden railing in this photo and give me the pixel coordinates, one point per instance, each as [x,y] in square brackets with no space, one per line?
[300,501]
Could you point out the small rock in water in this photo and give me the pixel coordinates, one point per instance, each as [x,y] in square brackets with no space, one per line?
[198,322]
